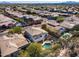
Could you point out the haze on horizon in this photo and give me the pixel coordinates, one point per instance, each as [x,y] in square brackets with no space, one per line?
[40,0]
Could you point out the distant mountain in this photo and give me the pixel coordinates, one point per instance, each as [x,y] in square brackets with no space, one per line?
[38,2]
[70,2]
[4,2]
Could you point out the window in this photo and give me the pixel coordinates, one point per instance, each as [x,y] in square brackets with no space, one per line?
[40,35]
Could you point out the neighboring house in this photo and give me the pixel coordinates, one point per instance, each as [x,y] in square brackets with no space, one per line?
[55,27]
[30,19]
[70,22]
[35,34]
[6,21]
[43,13]
[65,14]
[67,25]
[8,9]
[10,44]
[55,14]
[52,23]
[15,13]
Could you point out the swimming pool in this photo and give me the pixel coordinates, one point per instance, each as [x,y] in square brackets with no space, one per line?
[47,45]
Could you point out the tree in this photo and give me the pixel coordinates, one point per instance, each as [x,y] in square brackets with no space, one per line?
[23,53]
[34,49]
[15,30]
[72,51]
[60,19]
[45,52]
[19,19]
[28,12]
[76,27]
[55,47]
[44,26]
[77,15]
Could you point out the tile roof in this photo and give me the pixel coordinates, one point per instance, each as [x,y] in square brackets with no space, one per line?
[35,31]
[11,43]
[6,20]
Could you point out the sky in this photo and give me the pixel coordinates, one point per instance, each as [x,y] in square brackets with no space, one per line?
[42,0]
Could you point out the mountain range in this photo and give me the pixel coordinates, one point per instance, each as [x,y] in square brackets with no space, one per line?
[12,2]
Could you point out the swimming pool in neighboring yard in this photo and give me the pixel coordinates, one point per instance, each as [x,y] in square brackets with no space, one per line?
[47,45]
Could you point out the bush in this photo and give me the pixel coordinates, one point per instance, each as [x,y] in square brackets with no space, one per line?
[45,52]
[15,30]
[55,47]
[44,26]
[76,27]
[77,15]
[23,53]
[19,19]
[60,19]
[34,49]
[28,12]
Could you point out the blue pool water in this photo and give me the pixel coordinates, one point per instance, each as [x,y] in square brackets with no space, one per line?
[47,45]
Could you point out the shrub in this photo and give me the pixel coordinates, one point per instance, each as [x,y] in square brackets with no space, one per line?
[34,49]
[23,53]
[60,19]
[15,30]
